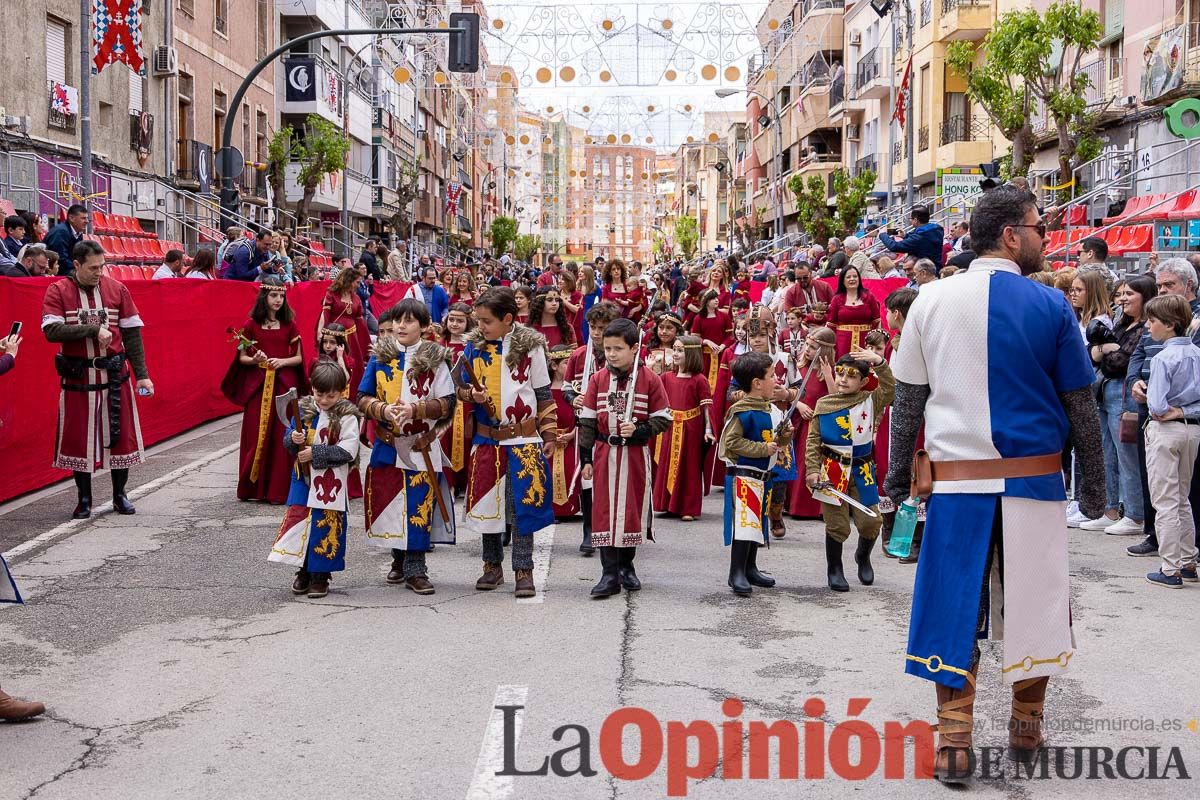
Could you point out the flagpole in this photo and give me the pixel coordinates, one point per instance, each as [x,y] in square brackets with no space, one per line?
[85,102]
[908,102]
[892,122]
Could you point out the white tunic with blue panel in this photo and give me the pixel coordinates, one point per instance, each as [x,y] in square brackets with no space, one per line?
[996,350]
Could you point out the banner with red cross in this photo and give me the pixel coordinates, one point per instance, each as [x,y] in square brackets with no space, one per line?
[453,193]
[117,34]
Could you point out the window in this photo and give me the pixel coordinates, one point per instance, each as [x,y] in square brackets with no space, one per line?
[188,7]
[219,108]
[57,35]
[265,28]
[220,17]
[923,97]
[135,92]
[1115,56]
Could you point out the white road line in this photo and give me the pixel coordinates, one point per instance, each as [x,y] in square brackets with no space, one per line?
[487,785]
[67,527]
[543,545]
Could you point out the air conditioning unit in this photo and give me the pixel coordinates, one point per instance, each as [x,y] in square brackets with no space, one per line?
[1129,101]
[856,37]
[20,123]
[165,61]
[853,133]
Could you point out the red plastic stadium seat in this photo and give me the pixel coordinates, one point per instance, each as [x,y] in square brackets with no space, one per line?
[148,272]
[1076,215]
[1133,207]
[1164,209]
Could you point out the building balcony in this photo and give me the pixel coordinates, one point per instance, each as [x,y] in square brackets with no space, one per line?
[332,14]
[252,186]
[866,163]
[872,75]
[964,142]
[965,20]
[328,196]
[810,112]
[820,27]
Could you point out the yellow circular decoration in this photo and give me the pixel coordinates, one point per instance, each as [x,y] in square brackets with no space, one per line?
[524,138]
[650,108]
[626,138]
[528,152]
[586,109]
[546,140]
[670,75]
[506,77]
[567,73]
[732,74]
[687,107]
[497,24]
[544,75]
[607,24]
[649,139]
[708,72]
[612,138]
[401,75]
[770,74]
[691,139]
[605,76]
[587,140]
[549,109]
[714,138]
[526,173]
[773,25]
[510,139]
[572,173]
[645,175]
[667,24]
[439,78]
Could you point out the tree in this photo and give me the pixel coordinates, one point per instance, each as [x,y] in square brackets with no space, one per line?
[686,235]
[321,152]
[407,190]
[812,213]
[278,153]
[850,201]
[526,245]
[1030,56]
[502,234]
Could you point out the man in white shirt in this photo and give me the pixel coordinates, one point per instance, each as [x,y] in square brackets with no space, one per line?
[172,266]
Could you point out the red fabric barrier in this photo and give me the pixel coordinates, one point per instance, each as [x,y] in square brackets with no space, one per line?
[880,288]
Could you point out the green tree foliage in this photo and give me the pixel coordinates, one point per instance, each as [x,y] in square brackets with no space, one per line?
[526,245]
[278,151]
[687,236]
[850,199]
[502,234]
[1033,56]
[407,190]
[320,152]
[812,212]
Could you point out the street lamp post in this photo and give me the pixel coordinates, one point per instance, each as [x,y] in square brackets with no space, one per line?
[777,159]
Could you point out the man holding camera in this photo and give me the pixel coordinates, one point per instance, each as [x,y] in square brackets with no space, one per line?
[925,240]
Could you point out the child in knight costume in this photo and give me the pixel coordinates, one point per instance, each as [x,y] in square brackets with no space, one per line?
[624,408]
[839,454]
[323,437]
[504,372]
[756,432]
[408,390]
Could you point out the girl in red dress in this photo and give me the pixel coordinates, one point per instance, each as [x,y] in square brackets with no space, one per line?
[791,338]
[565,460]
[456,439]
[680,484]
[549,318]
[741,288]
[268,362]
[342,305]
[524,298]
[660,347]
[464,289]
[572,300]
[617,288]
[815,371]
[715,329]
[853,311]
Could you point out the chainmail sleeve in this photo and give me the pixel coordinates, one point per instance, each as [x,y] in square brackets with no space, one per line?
[908,413]
[135,351]
[1084,435]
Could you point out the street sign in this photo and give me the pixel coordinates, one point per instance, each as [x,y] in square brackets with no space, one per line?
[958,186]
[236,168]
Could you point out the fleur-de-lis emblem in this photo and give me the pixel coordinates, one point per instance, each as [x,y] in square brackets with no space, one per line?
[520,372]
[519,411]
[328,486]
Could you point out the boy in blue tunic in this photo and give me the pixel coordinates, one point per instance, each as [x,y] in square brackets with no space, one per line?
[756,432]
[840,452]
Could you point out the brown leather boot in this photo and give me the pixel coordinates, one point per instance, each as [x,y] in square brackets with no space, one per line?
[419,584]
[395,575]
[492,577]
[775,514]
[319,587]
[14,710]
[525,587]
[1025,725]
[956,717]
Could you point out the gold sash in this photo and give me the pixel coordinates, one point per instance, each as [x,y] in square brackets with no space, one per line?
[678,418]
[264,420]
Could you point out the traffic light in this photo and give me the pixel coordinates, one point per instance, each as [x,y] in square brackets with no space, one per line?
[464,42]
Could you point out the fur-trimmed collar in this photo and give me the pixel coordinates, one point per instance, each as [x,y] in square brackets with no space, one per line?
[422,356]
[342,408]
[521,341]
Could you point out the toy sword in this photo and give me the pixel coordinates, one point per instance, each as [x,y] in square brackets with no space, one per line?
[827,488]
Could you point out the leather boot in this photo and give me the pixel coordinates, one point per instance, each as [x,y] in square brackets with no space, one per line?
[754,575]
[586,547]
[885,533]
[610,578]
[954,764]
[492,577]
[775,515]
[862,557]
[629,578]
[1025,725]
[739,554]
[524,586]
[83,488]
[13,710]
[121,503]
[833,561]
[395,575]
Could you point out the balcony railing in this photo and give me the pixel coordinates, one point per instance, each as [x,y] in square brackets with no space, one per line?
[185,161]
[897,152]
[866,163]
[252,183]
[926,12]
[922,138]
[960,129]
[868,69]
[1100,74]
[951,5]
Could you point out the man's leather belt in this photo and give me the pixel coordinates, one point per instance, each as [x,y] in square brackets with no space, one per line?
[511,430]
[420,442]
[73,367]
[996,468]
[749,472]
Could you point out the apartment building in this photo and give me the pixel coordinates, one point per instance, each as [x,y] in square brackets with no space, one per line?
[618,208]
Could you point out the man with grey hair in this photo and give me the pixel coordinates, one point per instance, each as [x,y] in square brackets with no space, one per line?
[836,258]
[924,271]
[859,259]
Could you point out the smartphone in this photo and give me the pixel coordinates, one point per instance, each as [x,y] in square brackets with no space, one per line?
[15,330]
[143,391]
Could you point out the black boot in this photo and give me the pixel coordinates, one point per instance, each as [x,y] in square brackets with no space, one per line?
[585,499]
[833,558]
[629,578]
[862,557]
[889,521]
[83,487]
[121,503]
[610,579]
[754,575]
[739,554]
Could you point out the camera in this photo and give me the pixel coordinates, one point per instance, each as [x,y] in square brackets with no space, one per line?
[1100,332]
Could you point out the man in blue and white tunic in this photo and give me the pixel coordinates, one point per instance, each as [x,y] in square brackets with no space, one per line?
[993,364]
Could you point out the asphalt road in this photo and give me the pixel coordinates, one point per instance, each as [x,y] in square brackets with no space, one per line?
[176,663]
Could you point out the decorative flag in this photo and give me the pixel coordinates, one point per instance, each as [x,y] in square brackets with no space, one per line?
[902,97]
[453,193]
[117,34]
[64,99]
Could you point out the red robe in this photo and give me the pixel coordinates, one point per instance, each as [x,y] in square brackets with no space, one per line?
[621,483]
[358,338]
[717,328]
[84,438]
[691,297]
[553,335]
[851,323]
[566,458]
[627,300]
[467,300]
[456,439]
[576,319]
[800,499]
[679,481]
[265,466]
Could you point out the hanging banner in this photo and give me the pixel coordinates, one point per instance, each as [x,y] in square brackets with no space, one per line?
[117,34]
[202,155]
[898,114]
[301,83]
[453,193]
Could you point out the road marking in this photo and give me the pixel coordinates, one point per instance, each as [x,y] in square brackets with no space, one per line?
[487,785]
[542,547]
[68,527]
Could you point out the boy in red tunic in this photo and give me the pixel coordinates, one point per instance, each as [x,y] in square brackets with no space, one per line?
[94,319]
[623,410]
